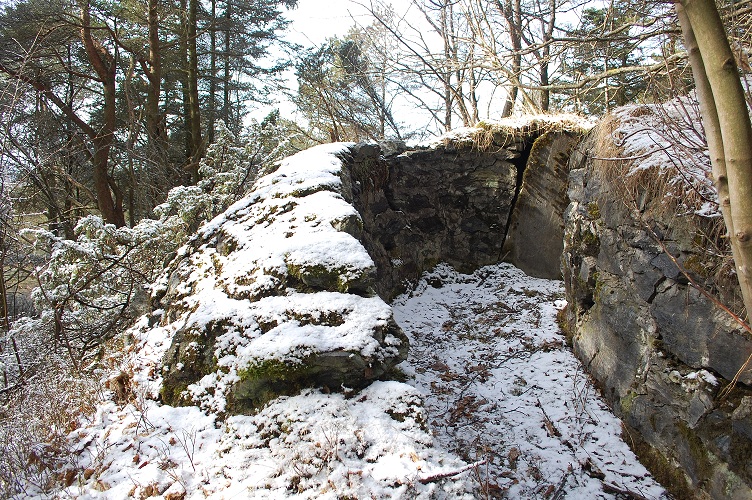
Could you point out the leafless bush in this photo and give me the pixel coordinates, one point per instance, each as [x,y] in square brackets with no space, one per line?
[35,420]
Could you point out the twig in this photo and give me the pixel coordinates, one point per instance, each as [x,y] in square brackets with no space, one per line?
[550,428]
[725,392]
[735,317]
[10,388]
[443,475]
[559,492]
[612,488]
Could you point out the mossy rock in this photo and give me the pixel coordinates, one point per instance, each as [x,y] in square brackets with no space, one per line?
[190,357]
[317,277]
[264,380]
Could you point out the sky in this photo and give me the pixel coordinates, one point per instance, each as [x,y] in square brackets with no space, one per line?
[312,22]
[315,20]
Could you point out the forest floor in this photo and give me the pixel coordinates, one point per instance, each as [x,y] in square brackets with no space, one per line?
[504,391]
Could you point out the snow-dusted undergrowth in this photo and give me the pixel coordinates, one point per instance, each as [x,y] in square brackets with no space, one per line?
[502,388]
[313,445]
[669,139]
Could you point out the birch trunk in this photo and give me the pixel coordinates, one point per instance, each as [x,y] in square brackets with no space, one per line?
[727,126]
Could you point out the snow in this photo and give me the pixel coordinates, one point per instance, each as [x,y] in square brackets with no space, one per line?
[501,386]
[312,445]
[293,223]
[669,137]
[495,403]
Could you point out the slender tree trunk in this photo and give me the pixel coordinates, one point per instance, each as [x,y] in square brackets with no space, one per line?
[184,86]
[727,124]
[545,99]
[447,70]
[226,66]
[104,65]
[193,99]
[512,12]
[154,119]
[473,90]
[212,73]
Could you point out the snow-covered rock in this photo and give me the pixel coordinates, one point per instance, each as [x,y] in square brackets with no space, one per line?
[276,294]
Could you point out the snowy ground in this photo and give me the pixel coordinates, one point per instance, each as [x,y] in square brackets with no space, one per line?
[501,391]
[502,388]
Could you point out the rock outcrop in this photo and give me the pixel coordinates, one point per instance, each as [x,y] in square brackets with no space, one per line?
[535,237]
[425,206]
[286,289]
[661,350]
[277,294]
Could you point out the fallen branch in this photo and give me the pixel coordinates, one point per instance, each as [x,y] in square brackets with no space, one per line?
[443,475]
[559,491]
[612,488]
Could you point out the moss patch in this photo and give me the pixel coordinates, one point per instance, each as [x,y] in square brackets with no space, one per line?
[320,277]
[593,210]
[664,471]
[627,401]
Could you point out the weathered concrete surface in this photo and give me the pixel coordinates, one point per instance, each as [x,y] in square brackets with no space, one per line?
[535,237]
[425,206]
[660,350]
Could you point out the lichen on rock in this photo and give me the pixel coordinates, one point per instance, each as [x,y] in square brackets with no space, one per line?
[661,350]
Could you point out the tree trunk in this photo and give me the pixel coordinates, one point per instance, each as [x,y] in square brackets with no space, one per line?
[545,98]
[154,120]
[194,108]
[212,73]
[512,11]
[184,87]
[226,65]
[104,65]
[727,124]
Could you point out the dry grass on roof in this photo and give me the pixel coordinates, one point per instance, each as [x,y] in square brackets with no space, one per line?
[488,134]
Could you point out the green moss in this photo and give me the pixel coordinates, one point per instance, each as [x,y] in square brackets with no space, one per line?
[173,394]
[590,239]
[699,266]
[271,369]
[266,380]
[593,211]
[564,325]
[665,472]
[598,288]
[395,373]
[699,453]
[627,401]
[303,192]
[320,277]
[372,173]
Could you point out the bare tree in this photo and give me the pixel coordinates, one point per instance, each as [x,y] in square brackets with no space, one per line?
[39,67]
